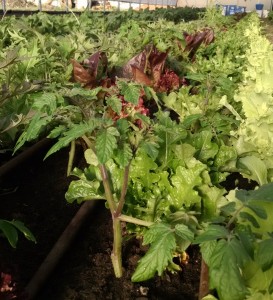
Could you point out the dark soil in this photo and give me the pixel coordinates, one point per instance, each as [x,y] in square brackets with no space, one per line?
[34,194]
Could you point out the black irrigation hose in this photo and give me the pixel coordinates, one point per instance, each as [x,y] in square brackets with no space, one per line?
[23,156]
[67,236]
[60,247]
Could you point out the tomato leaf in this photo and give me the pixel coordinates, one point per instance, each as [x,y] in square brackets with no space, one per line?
[130,91]
[258,210]
[250,218]
[264,254]
[124,155]
[224,270]
[162,240]
[10,232]
[212,232]
[106,143]
[263,193]
[23,229]
[115,103]
[184,232]
[72,134]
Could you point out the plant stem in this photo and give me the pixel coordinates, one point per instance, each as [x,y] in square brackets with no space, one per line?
[71,157]
[204,281]
[234,216]
[134,220]
[107,189]
[123,190]
[117,239]
[116,256]
[87,141]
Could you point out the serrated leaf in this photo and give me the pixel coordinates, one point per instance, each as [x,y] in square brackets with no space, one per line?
[264,255]
[57,131]
[34,129]
[124,155]
[113,131]
[207,249]
[130,91]
[245,215]
[225,272]
[82,190]
[24,230]
[212,232]
[151,149]
[88,94]
[72,134]
[106,143]
[184,232]
[46,102]
[123,126]
[115,103]
[159,255]
[10,232]
[247,242]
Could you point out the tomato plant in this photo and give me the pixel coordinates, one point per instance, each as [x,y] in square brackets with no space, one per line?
[165,114]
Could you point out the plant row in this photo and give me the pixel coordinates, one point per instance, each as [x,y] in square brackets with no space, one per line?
[168,115]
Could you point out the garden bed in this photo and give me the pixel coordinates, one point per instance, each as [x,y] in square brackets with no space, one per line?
[169,138]
[35,195]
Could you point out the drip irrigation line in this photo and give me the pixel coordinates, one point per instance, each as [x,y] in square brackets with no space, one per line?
[60,247]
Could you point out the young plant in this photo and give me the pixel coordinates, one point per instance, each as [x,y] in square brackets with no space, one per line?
[10,230]
[237,246]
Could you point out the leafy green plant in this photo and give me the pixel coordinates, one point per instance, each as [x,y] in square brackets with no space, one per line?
[10,230]
[163,115]
[237,246]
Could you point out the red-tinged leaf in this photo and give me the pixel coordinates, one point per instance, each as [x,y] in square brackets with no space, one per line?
[81,75]
[140,77]
[209,38]
[139,61]
[96,63]
[188,37]
[169,81]
[195,43]
[5,283]
[91,63]
[157,61]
